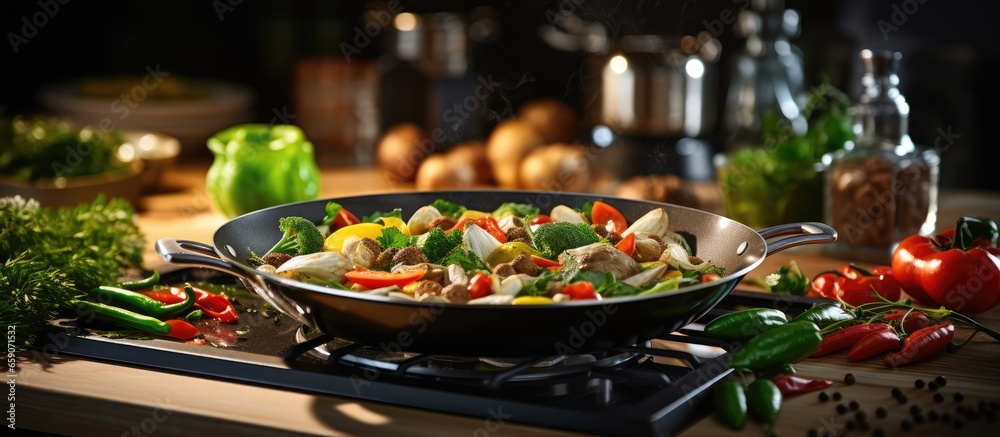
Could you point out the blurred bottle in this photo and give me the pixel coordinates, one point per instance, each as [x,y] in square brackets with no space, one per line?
[769,172]
[882,188]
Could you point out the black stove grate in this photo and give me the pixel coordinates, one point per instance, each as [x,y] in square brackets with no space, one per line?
[647,389]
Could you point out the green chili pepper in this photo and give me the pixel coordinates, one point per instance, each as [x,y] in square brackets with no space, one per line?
[764,400]
[142,283]
[145,304]
[825,315]
[744,325]
[123,317]
[786,344]
[731,403]
[260,165]
[786,369]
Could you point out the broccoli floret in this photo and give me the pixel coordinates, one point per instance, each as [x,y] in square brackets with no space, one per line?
[553,238]
[301,237]
[437,244]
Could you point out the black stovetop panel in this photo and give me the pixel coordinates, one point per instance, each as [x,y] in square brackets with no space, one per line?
[629,391]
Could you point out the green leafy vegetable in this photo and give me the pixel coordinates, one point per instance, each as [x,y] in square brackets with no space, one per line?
[375,216]
[48,148]
[31,294]
[522,210]
[541,285]
[787,280]
[466,259]
[448,208]
[606,284]
[332,210]
[585,210]
[393,237]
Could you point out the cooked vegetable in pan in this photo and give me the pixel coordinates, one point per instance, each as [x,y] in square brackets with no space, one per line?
[447,253]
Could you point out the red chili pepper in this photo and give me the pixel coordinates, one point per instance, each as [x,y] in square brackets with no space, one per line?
[181,329]
[794,385]
[922,344]
[960,273]
[914,320]
[873,344]
[479,286]
[580,290]
[854,285]
[214,305]
[847,337]
[627,245]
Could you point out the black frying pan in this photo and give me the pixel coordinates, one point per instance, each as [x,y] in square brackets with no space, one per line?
[492,330]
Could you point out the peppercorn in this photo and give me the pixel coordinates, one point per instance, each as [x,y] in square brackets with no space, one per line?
[902,399]
[837,396]
[941,381]
[813,433]
[860,416]
[946,418]
[881,412]
[919,383]
[823,397]
[849,379]
[915,409]
[864,426]
[938,397]
[932,416]
[896,392]
[932,386]
[841,408]
[851,426]
[918,419]
[906,425]
[854,405]
[959,397]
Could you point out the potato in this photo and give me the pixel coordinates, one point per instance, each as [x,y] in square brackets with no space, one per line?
[555,121]
[401,150]
[658,188]
[473,154]
[439,172]
[509,142]
[556,167]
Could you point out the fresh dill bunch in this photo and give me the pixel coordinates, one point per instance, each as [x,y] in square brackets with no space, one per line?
[31,294]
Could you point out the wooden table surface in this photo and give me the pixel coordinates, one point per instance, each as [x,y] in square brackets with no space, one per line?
[74,396]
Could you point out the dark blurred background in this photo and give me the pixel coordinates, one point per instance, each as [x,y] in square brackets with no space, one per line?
[948,70]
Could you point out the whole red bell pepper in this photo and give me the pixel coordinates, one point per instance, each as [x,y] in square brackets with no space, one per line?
[854,285]
[959,270]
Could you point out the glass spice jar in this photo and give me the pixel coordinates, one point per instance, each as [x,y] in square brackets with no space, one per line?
[881,188]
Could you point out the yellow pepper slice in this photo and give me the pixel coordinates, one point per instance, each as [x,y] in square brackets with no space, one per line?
[531,300]
[396,223]
[335,242]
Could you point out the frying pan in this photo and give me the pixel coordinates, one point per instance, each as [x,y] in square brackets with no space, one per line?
[396,325]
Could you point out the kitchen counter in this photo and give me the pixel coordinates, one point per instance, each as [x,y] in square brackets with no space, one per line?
[77,396]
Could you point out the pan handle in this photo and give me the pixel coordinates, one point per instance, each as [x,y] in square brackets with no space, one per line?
[802,233]
[186,252]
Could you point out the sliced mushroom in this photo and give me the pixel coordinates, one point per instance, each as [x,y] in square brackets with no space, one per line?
[563,213]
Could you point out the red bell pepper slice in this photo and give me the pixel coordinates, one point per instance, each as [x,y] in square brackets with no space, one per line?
[479,286]
[790,385]
[580,290]
[960,273]
[627,245]
[540,219]
[378,279]
[487,223]
[544,262]
[606,215]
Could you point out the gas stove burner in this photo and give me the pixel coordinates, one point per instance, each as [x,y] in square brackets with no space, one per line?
[456,369]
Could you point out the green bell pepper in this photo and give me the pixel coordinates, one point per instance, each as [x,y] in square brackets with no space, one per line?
[258,165]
